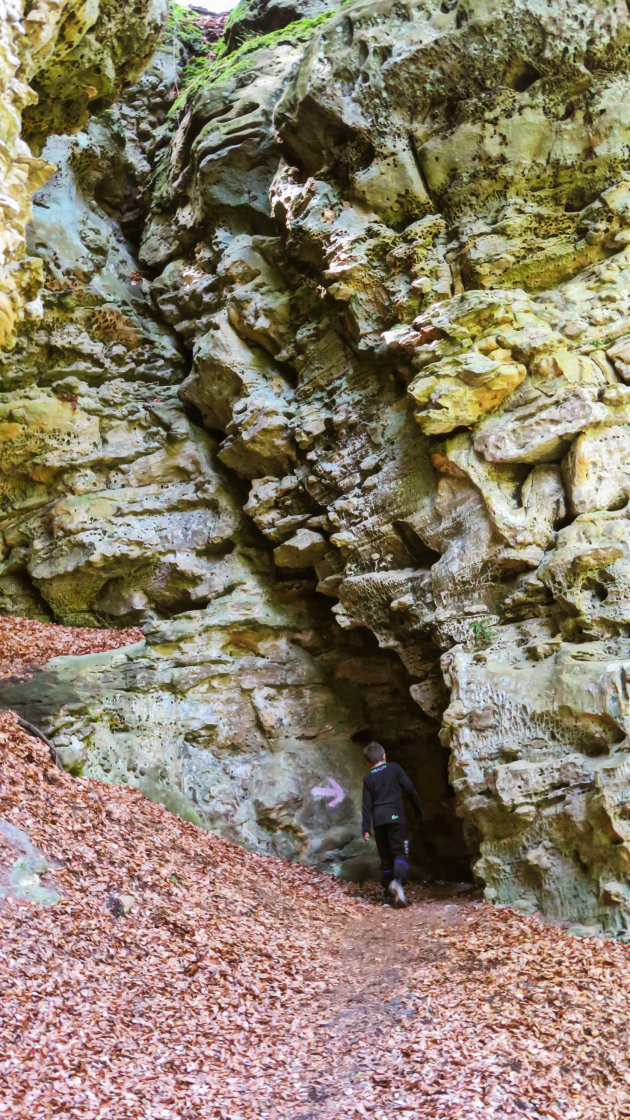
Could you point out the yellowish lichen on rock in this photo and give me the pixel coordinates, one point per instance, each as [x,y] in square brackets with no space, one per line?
[395,241]
[51,38]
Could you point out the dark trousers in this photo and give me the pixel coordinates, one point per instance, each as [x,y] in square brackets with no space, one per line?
[393,850]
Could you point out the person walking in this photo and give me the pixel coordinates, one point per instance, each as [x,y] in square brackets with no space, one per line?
[383,805]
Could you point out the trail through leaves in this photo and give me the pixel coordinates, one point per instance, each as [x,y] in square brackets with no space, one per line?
[182,977]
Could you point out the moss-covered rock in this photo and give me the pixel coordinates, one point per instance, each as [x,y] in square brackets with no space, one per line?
[98,48]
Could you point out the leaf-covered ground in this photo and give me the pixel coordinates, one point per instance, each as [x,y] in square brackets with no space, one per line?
[240,987]
[26,644]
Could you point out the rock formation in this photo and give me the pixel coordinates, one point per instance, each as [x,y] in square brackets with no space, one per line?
[331,390]
[56,57]
[117,508]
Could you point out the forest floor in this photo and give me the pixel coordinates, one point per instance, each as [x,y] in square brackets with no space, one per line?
[178,976]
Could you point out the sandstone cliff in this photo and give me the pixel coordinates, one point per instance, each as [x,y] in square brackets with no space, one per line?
[331,392]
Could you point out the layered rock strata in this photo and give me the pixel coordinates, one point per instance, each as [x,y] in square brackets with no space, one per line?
[238,717]
[416,223]
[240,712]
[386,290]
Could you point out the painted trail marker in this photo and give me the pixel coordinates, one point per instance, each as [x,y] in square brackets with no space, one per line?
[332,790]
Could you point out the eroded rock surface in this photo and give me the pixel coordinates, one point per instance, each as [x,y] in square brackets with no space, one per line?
[116,507]
[415,346]
[52,65]
[236,717]
[373,357]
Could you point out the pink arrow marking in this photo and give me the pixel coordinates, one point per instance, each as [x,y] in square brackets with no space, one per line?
[333,790]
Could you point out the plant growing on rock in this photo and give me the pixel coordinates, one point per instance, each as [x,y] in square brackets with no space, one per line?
[481,632]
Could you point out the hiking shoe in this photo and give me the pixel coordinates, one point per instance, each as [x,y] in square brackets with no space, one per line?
[396,889]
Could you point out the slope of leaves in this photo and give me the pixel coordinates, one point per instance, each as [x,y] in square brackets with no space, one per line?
[238,986]
[26,644]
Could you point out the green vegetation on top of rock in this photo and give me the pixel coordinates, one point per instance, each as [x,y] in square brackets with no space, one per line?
[204,72]
[237,14]
[183,24]
[251,18]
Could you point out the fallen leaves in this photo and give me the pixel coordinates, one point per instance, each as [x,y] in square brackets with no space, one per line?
[182,978]
[26,644]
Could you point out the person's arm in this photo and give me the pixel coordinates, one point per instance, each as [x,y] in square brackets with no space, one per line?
[366,816]
[409,789]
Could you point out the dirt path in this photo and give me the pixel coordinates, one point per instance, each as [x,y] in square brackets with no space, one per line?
[370,1004]
[452,1010]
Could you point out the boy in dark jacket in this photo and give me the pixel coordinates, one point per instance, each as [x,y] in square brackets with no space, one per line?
[383,804]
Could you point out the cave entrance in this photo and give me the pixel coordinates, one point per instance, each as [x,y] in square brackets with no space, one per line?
[440,848]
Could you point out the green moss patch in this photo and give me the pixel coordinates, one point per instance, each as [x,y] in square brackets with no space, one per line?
[202,73]
[183,25]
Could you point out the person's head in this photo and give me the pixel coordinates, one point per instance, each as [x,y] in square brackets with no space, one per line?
[374,753]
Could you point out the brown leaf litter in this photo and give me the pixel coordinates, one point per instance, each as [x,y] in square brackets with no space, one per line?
[25,643]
